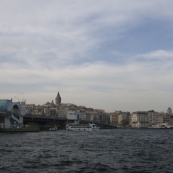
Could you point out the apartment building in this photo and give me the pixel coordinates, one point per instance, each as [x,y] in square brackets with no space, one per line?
[73,115]
[62,113]
[82,115]
[124,116]
[139,119]
[114,118]
[153,118]
[50,111]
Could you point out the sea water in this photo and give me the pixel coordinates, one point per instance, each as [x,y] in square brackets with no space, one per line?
[110,151]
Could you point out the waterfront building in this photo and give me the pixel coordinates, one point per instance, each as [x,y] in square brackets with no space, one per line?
[166,118]
[169,111]
[107,120]
[160,119]
[72,116]
[82,115]
[130,119]
[96,116]
[153,117]
[139,119]
[124,116]
[114,117]
[104,117]
[62,113]
[89,116]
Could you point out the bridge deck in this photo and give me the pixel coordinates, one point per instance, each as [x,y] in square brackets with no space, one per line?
[31,116]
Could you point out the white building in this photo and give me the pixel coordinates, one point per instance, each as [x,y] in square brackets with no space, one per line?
[73,115]
[139,119]
[169,111]
[62,113]
[153,118]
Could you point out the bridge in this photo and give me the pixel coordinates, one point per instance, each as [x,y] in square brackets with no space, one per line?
[49,121]
[44,121]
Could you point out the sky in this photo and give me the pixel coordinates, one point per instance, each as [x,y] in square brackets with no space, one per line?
[104,54]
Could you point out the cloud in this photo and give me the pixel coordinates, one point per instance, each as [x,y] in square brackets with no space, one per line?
[73,46]
[139,93]
[158,55]
[131,74]
[69,30]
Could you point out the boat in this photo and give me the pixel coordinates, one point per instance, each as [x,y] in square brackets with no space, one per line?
[163,126]
[53,128]
[82,127]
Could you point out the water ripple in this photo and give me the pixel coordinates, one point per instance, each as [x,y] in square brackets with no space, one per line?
[119,150]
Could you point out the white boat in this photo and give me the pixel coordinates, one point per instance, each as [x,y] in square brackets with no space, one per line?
[162,126]
[95,128]
[82,127]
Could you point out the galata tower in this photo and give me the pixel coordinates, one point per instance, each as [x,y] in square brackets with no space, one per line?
[58,99]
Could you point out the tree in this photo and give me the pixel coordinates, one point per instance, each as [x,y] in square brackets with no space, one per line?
[124,122]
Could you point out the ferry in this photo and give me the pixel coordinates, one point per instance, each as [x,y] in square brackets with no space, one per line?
[82,127]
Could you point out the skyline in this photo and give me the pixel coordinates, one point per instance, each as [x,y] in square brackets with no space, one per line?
[107,55]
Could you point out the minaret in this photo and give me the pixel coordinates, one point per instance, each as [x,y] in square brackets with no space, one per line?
[58,99]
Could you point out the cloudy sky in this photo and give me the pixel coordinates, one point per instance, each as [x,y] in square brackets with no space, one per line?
[107,54]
